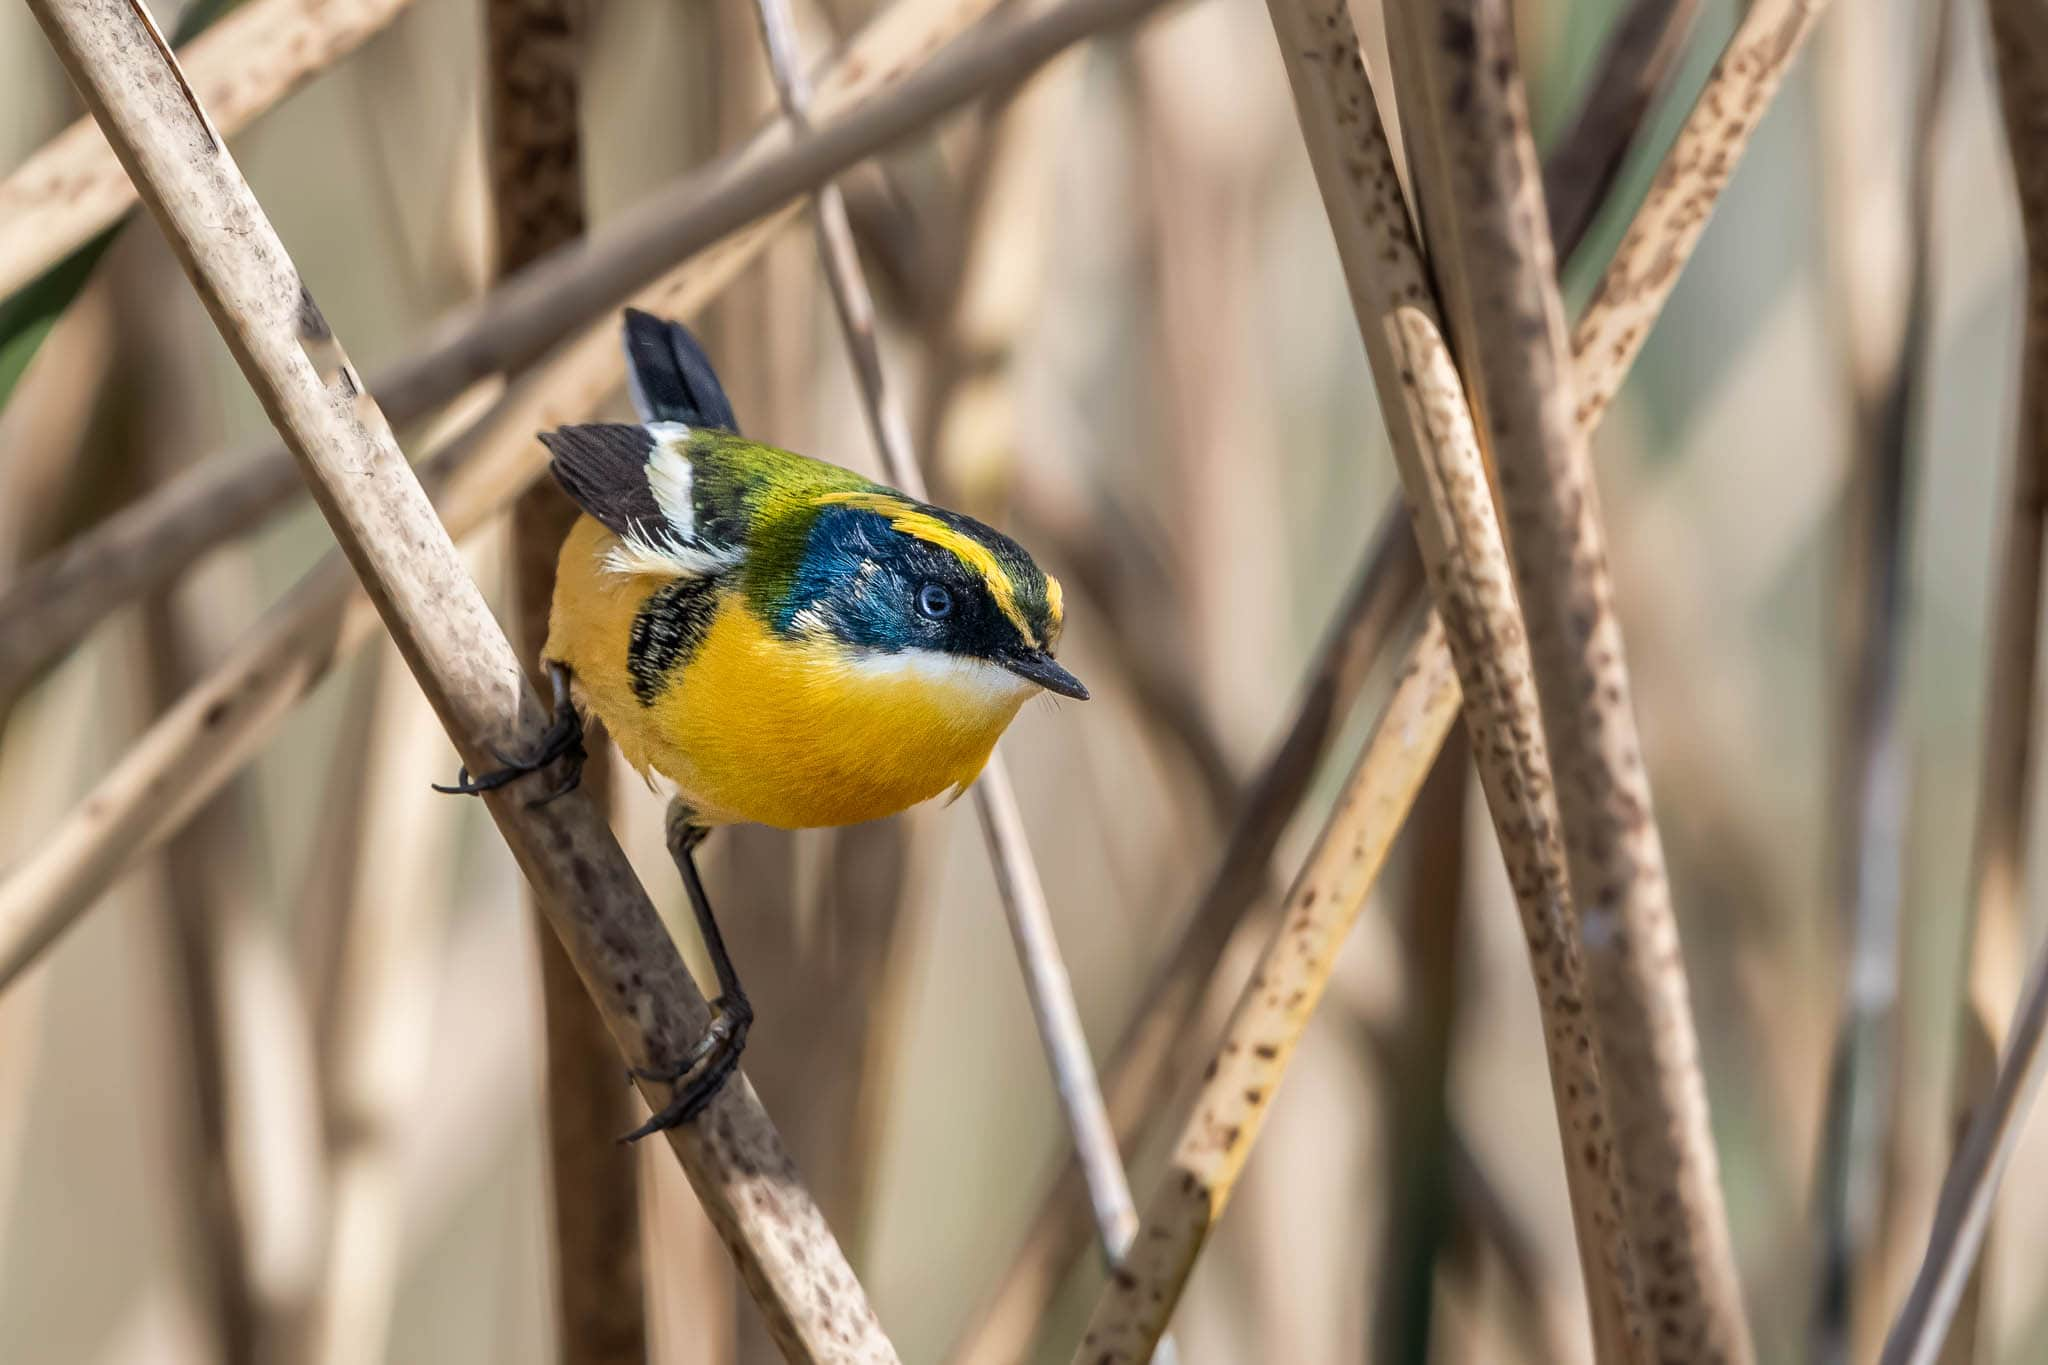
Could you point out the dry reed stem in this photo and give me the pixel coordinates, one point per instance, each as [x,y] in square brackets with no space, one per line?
[1963,1213]
[1266,1025]
[1994,921]
[1160,1044]
[533,50]
[1437,450]
[1046,981]
[463,662]
[1660,239]
[1441,466]
[1885,307]
[72,186]
[1634,63]
[223,721]
[1681,198]
[1472,581]
[721,216]
[1482,190]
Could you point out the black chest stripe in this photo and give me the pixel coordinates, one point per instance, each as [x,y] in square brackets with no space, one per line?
[667,632]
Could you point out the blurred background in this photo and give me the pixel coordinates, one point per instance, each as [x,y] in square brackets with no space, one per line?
[1114,305]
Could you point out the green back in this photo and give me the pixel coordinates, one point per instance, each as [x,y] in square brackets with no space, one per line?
[766,500]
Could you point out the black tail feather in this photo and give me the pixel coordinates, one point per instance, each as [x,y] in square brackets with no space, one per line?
[670,376]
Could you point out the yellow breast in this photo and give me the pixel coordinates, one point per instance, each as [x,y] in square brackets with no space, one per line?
[757,727]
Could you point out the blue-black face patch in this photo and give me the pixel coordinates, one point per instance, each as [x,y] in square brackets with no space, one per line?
[875,587]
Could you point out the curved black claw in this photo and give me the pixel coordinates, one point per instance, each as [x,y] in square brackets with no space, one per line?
[717,1052]
[563,739]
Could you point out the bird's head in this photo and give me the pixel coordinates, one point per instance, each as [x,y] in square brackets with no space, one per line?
[898,580]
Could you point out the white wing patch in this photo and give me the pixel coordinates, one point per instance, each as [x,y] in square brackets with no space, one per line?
[669,475]
[676,550]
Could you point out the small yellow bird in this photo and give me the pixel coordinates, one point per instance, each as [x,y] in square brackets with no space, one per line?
[787,642]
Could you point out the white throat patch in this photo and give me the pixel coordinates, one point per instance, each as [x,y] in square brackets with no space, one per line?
[975,681]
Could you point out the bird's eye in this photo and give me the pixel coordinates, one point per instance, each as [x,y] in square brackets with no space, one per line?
[934,601]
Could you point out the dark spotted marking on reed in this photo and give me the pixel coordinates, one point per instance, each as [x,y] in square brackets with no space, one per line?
[313,327]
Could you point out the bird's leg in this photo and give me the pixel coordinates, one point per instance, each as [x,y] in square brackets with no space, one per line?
[562,739]
[701,1072]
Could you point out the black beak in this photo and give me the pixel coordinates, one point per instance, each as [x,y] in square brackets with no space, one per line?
[1038,666]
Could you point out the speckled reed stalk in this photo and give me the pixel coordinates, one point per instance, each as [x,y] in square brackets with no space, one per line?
[1046,982]
[1259,1041]
[1161,1046]
[1994,924]
[1482,196]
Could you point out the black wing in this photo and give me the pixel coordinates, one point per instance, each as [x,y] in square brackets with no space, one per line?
[603,467]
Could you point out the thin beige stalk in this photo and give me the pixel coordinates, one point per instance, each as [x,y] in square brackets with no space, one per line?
[1682,197]
[1994,925]
[887,86]
[1160,1046]
[1884,305]
[72,186]
[794,1270]
[1482,195]
[1470,577]
[1046,982]
[1439,457]
[1438,454]
[1266,1026]
[1963,1213]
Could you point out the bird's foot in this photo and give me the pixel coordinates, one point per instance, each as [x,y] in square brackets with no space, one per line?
[563,739]
[702,1071]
